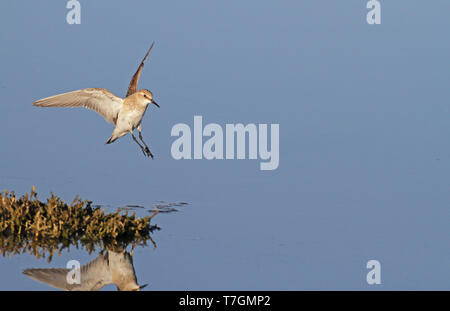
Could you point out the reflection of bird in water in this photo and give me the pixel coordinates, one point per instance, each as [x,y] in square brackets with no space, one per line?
[110,268]
[125,113]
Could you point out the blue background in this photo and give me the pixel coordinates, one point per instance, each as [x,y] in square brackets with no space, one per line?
[364,136]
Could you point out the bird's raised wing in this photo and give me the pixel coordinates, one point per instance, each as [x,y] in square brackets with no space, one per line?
[132,88]
[100,100]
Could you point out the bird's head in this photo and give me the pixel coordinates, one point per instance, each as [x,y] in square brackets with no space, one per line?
[147,96]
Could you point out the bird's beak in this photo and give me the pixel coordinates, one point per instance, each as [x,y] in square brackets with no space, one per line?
[154,103]
[142,286]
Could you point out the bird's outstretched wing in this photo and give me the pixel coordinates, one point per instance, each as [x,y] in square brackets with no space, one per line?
[94,276]
[132,88]
[54,277]
[100,100]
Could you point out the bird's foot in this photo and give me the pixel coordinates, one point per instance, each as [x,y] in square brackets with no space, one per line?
[143,151]
[147,152]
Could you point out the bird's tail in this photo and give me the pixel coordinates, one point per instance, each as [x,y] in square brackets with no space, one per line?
[111,140]
[117,133]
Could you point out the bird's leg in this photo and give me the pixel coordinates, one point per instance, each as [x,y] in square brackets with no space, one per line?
[147,149]
[142,148]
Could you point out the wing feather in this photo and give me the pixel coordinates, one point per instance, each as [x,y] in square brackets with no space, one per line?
[94,276]
[100,100]
[132,87]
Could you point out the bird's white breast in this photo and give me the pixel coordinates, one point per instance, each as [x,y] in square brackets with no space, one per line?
[130,118]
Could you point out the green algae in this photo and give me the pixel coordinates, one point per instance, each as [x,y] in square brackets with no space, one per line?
[41,229]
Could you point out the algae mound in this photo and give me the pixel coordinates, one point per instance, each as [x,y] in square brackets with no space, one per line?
[27,224]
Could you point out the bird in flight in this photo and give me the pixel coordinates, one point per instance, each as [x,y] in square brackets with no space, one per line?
[125,113]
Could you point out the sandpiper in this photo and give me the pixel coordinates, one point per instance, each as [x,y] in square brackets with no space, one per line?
[114,267]
[126,113]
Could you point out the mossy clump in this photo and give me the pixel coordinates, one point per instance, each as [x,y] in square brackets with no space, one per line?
[27,224]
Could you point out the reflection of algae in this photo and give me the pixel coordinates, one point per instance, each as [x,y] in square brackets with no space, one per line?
[27,224]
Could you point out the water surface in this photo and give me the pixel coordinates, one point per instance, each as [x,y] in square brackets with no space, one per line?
[364,125]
